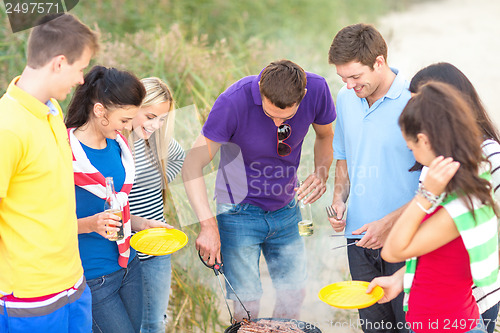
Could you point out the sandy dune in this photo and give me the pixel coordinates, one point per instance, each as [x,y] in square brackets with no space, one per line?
[465,33]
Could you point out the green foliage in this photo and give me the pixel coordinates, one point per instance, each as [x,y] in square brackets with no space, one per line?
[196,73]
[194,303]
[219,19]
[243,37]
[12,52]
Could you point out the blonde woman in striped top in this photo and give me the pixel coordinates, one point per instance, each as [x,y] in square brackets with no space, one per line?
[158,159]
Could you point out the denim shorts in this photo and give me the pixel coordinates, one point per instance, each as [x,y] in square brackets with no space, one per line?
[246,231]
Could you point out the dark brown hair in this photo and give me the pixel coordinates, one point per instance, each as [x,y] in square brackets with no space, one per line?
[359,43]
[64,35]
[283,82]
[439,111]
[447,73]
[108,86]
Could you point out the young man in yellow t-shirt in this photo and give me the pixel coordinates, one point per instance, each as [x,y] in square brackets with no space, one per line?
[42,287]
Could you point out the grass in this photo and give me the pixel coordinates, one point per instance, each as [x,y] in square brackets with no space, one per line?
[200,47]
[250,36]
[194,305]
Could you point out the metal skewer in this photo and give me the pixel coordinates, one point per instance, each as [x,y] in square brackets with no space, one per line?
[341,246]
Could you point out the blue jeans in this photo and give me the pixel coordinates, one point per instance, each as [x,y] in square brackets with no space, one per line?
[365,265]
[480,328]
[490,318]
[156,274]
[117,300]
[246,230]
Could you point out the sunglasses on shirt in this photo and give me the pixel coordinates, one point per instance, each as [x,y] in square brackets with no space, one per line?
[283,133]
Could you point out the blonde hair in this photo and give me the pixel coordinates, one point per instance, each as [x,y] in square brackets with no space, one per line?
[157,145]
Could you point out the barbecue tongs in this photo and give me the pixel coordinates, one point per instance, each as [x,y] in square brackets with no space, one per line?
[218,270]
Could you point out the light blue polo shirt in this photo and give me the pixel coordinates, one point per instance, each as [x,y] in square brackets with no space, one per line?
[378,159]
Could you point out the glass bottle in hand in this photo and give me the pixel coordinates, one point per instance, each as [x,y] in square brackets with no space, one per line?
[306,227]
[112,205]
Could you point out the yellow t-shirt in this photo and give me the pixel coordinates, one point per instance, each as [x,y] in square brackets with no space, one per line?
[38,226]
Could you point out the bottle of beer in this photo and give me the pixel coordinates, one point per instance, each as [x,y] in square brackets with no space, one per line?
[112,205]
[306,226]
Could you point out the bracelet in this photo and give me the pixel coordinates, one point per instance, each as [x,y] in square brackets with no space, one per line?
[427,211]
[435,200]
[429,196]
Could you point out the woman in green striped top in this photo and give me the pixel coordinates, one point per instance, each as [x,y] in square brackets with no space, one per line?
[487,298]
[455,245]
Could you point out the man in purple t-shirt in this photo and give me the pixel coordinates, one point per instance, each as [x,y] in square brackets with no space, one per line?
[259,124]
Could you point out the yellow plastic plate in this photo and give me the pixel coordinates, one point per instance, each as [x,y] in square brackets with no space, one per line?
[158,241]
[350,295]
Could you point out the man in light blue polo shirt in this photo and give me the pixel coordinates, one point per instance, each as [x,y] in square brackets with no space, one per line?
[372,161]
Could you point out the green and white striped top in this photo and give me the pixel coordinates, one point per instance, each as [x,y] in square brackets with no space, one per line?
[479,234]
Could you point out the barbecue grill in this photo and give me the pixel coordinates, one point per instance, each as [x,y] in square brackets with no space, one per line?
[219,271]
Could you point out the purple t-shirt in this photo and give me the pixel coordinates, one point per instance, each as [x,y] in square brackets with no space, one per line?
[250,169]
